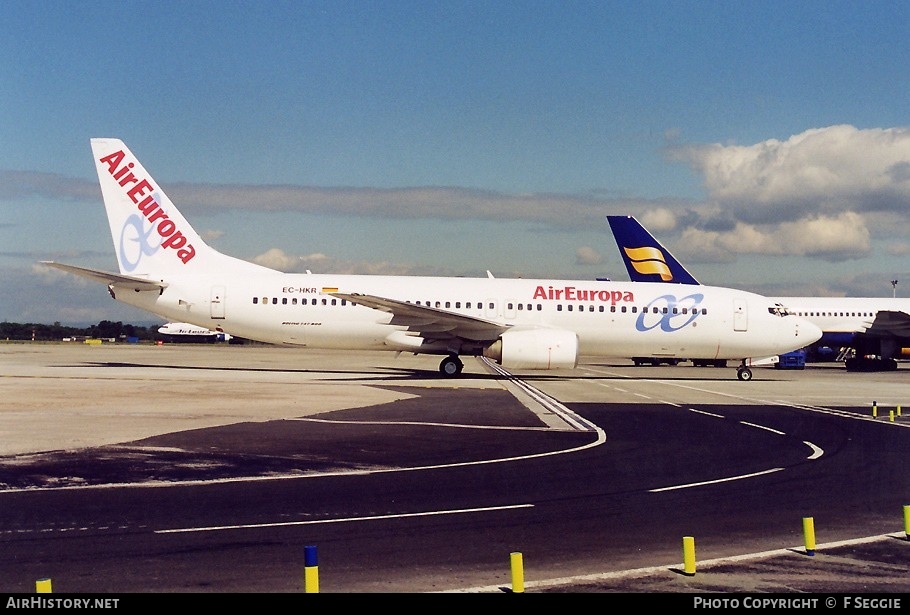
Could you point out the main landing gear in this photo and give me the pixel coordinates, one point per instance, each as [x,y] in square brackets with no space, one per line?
[743,372]
[451,366]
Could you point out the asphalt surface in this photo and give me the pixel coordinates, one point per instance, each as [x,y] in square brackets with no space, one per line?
[53,398]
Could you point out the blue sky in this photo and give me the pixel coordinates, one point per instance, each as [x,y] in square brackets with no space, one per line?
[766,143]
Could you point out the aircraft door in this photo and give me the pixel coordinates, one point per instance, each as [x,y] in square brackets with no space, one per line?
[740,315]
[217,302]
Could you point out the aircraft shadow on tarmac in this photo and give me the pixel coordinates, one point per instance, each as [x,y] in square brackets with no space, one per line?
[450,427]
[385,374]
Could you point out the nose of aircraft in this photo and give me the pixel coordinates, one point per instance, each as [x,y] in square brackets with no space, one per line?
[807,332]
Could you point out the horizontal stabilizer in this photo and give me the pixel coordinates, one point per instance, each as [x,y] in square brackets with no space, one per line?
[106,277]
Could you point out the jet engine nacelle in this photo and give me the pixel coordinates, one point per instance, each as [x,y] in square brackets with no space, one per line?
[535,349]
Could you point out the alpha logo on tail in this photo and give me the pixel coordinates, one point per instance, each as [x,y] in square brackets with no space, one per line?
[144,195]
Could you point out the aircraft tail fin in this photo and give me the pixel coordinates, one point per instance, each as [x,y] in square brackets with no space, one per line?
[151,237]
[645,258]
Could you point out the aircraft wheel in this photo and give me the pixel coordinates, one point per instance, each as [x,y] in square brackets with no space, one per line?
[451,366]
[744,373]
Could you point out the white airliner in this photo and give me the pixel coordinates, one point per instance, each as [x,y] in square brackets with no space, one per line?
[181,329]
[875,328]
[167,269]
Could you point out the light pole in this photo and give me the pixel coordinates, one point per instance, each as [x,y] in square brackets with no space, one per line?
[894,288]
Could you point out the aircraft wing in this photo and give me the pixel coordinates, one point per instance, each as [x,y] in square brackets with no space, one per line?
[117,280]
[430,323]
[889,323]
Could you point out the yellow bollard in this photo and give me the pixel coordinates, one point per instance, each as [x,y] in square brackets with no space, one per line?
[43,586]
[891,415]
[809,533]
[898,409]
[518,573]
[874,409]
[907,521]
[310,571]
[689,555]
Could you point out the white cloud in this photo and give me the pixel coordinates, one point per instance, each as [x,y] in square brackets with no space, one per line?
[212,235]
[900,248]
[587,256]
[822,170]
[658,220]
[277,259]
[831,238]
[700,246]
[547,210]
[820,193]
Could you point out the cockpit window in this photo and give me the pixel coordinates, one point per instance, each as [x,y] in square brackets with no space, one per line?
[779,310]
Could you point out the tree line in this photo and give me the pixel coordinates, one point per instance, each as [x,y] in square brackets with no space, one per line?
[106,329]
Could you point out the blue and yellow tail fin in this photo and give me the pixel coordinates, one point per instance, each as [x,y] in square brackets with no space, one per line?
[645,259]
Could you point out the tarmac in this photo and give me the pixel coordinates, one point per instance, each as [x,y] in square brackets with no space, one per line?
[868,566]
[54,396]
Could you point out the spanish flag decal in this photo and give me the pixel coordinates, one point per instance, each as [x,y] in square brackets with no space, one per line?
[649,261]
[327,289]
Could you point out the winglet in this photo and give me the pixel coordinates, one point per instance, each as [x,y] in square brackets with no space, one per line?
[645,259]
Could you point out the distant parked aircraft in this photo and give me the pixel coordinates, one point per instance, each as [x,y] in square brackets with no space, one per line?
[180,329]
[876,328]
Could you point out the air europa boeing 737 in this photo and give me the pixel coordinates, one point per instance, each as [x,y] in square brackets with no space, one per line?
[167,269]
